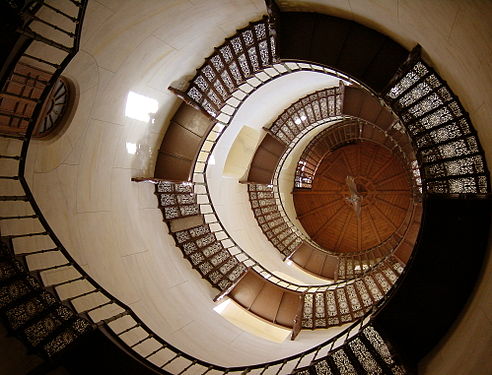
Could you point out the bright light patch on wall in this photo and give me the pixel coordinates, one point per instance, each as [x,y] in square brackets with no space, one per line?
[140,107]
[222,306]
[131,148]
[243,319]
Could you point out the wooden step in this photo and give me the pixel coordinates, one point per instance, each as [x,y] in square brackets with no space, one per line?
[267,300]
[315,261]
[265,160]
[182,143]
[341,44]
[360,103]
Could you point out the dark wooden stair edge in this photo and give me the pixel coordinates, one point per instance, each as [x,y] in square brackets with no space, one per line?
[433,296]
[368,74]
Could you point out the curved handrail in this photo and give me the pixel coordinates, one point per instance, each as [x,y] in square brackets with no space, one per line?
[390,143]
[208,209]
[127,311]
[124,310]
[280,202]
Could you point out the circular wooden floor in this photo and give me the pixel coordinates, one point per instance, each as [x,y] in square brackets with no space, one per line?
[329,213]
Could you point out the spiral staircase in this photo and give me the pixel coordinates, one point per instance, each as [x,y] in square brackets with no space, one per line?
[394,98]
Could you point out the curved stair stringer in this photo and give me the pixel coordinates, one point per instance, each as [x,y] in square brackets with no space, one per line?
[124,323]
[344,45]
[301,116]
[447,118]
[367,353]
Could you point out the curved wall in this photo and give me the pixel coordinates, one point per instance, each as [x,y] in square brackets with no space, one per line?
[81,180]
[455,38]
[230,198]
[130,53]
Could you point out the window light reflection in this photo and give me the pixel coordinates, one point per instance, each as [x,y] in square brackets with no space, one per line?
[222,306]
[140,107]
[131,148]
[246,321]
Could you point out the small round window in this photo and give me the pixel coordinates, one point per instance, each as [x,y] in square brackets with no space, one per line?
[57,110]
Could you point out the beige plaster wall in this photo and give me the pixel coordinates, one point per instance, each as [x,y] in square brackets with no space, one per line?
[455,36]
[81,181]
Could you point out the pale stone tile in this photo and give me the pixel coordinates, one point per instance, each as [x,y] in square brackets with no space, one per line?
[177,365]
[9,167]
[122,324]
[21,226]
[10,147]
[89,301]
[45,260]
[94,183]
[11,187]
[147,347]
[73,289]
[32,244]
[133,336]
[105,312]
[59,275]
[96,15]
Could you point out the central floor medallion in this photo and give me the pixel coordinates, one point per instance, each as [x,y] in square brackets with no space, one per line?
[359,197]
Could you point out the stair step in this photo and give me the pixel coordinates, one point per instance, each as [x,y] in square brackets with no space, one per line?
[341,44]
[17,290]
[23,313]
[39,331]
[367,353]
[348,302]
[10,270]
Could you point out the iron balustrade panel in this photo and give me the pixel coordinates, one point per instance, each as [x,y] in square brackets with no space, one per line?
[319,106]
[446,144]
[249,51]
[272,224]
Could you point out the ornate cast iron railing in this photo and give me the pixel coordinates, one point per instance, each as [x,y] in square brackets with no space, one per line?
[319,106]
[244,56]
[35,314]
[446,144]
[55,267]
[47,259]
